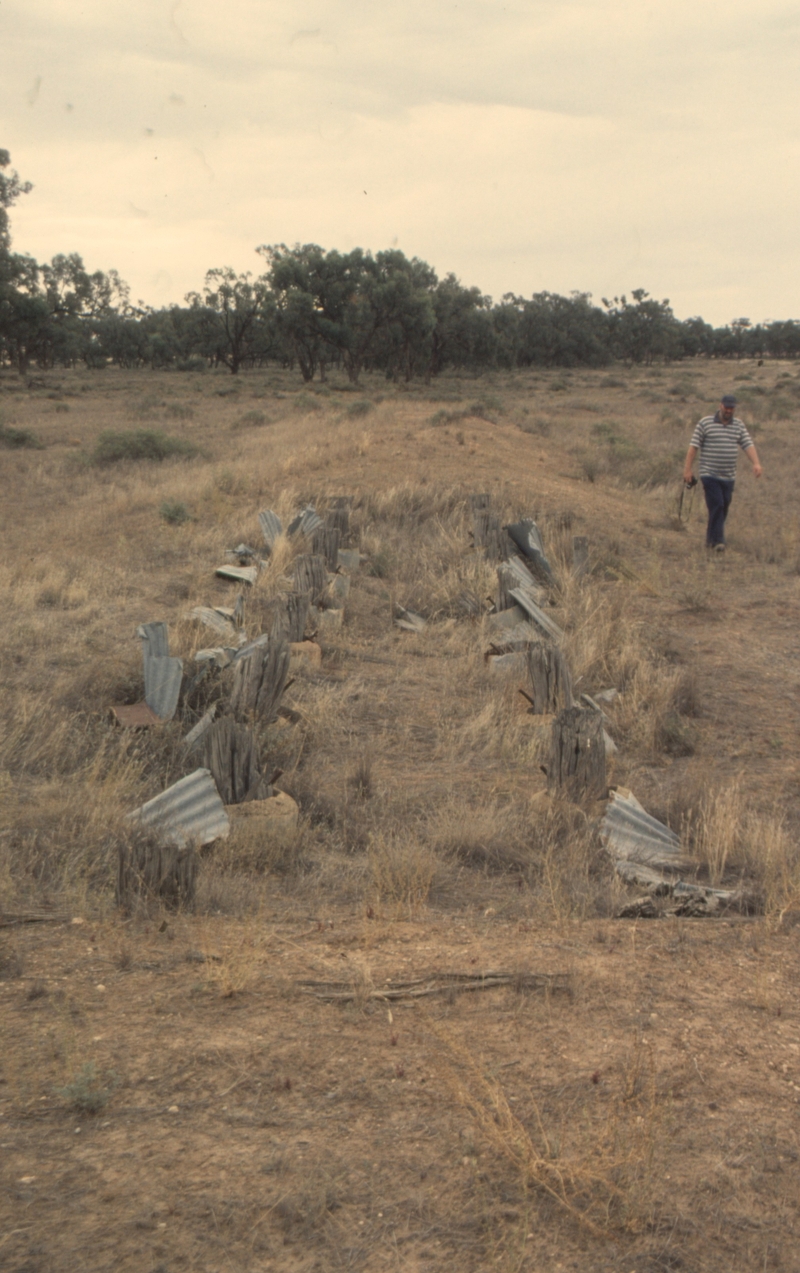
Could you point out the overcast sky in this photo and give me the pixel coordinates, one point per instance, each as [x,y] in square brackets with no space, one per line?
[526,146]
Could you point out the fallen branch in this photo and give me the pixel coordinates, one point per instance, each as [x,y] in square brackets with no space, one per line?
[7,919]
[435,984]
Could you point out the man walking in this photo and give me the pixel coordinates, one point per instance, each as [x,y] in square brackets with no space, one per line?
[717,437]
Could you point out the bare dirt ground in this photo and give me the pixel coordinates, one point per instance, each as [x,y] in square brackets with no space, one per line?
[171,1097]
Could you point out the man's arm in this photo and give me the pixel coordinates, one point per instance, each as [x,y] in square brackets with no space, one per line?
[752,455]
[689,461]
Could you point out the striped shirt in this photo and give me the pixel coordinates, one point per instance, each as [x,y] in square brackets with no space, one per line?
[717,443]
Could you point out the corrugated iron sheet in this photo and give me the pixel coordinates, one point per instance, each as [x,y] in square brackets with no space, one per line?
[162,685]
[657,882]
[250,646]
[527,602]
[349,559]
[526,580]
[409,621]
[271,527]
[218,655]
[305,523]
[190,811]
[213,619]
[242,574]
[525,535]
[631,834]
[155,639]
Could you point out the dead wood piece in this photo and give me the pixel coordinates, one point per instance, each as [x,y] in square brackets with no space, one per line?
[259,680]
[326,542]
[577,754]
[230,752]
[310,575]
[8,919]
[550,679]
[435,984]
[148,868]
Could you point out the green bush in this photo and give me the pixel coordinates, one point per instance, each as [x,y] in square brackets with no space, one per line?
[15,439]
[362,407]
[139,444]
[86,1093]
[174,512]
[250,420]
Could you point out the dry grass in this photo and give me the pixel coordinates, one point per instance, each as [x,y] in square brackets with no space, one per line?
[600,1167]
[425,833]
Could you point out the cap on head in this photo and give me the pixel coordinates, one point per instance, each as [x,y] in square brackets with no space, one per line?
[728,400]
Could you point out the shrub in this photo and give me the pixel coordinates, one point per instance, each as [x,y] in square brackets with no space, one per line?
[174,512]
[85,1093]
[250,420]
[15,439]
[140,444]
[362,407]
[179,411]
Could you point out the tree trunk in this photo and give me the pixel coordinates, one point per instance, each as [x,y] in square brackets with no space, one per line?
[577,754]
[550,679]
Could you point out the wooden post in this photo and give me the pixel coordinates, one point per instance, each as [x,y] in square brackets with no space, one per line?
[310,575]
[230,752]
[325,543]
[147,869]
[338,517]
[550,679]
[577,754]
[258,681]
[488,534]
[580,556]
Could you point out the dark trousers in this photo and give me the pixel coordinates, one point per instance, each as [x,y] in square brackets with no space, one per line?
[718,495]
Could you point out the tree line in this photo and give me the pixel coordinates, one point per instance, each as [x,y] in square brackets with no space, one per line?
[313,310]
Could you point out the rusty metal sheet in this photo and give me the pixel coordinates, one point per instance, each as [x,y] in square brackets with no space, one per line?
[190,811]
[631,834]
[162,685]
[527,602]
[305,523]
[134,715]
[241,574]
[525,534]
[271,527]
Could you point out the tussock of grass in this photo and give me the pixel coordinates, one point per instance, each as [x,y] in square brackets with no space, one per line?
[18,439]
[140,444]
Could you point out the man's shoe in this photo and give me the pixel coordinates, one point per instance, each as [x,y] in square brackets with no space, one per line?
[719,548]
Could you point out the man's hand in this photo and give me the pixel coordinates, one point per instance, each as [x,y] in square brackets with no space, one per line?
[752,455]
